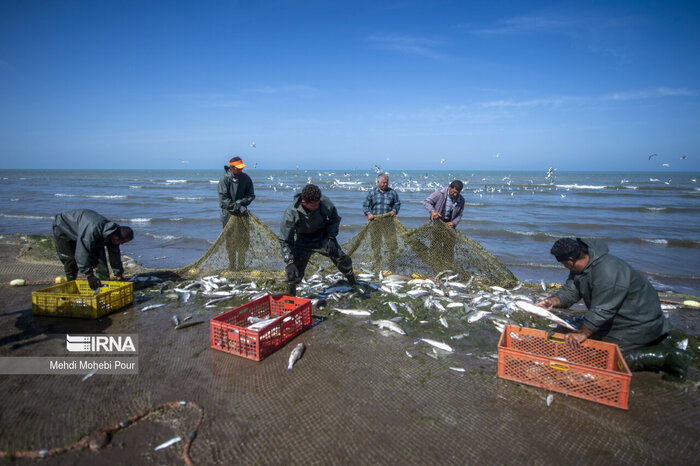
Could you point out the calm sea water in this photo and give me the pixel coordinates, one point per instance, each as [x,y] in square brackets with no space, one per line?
[652,220]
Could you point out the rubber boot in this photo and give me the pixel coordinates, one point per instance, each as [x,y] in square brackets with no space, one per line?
[291,289]
[359,289]
[672,361]
[676,365]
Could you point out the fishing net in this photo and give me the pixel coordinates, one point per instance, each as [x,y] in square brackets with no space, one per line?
[249,248]
[385,244]
[245,248]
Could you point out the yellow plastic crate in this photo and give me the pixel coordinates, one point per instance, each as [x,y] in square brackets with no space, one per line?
[76,299]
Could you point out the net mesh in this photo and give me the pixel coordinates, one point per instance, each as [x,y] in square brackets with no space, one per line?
[248,247]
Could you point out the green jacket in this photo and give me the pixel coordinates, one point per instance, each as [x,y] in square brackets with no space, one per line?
[621,303]
[234,192]
[304,229]
[90,231]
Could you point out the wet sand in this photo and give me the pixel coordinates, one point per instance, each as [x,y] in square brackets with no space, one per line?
[353,398]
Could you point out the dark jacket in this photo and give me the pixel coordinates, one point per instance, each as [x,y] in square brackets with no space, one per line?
[232,189]
[621,303]
[307,229]
[437,200]
[90,231]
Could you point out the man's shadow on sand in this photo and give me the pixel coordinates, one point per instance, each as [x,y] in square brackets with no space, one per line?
[32,327]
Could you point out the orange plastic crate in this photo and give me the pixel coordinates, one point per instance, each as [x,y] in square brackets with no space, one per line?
[595,371]
[229,330]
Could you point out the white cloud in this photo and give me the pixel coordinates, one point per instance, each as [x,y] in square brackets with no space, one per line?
[408,45]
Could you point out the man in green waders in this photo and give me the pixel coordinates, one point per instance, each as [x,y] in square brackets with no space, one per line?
[623,307]
[310,225]
[81,236]
[236,192]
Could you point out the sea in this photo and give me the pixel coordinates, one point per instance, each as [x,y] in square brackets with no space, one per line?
[651,220]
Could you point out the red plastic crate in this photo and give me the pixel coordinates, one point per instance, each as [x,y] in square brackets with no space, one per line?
[595,371]
[229,330]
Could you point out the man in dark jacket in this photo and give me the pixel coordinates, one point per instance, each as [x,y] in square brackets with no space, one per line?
[310,224]
[81,236]
[623,307]
[235,195]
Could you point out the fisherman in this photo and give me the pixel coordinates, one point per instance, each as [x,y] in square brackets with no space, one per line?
[310,224]
[446,205]
[382,200]
[235,195]
[81,236]
[623,307]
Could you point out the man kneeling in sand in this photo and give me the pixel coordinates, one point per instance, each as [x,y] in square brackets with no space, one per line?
[81,236]
[623,307]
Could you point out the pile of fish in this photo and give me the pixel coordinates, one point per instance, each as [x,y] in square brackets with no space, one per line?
[397,302]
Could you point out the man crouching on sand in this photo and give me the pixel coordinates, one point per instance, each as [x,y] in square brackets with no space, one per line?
[80,237]
[623,307]
[310,225]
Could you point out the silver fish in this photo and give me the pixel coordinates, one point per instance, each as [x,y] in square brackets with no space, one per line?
[443,321]
[262,324]
[89,374]
[538,311]
[389,325]
[191,323]
[295,355]
[437,344]
[176,320]
[477,316]
[172,441]
[393,307]
[454,305]
[152,306]
[458,369]
[544,287]
[352,312]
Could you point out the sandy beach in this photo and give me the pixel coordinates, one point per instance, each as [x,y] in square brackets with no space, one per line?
[354,398]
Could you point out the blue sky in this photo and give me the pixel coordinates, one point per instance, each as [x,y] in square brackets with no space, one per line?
[323,84]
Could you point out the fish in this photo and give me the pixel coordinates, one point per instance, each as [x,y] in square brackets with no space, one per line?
[176,320]
[454,305]
[533,309]
[417,293]
[217,300]
[89,374]
[550,398]
[443,321]
[437,344]
[498,288]
[352,312]
[458,369]
[459,337]
[151,306]
[262,323]
[172,441]
[191,323]
[295,355]
[389,325]
[544,287]
[393,307]
[477,316]
[409,354]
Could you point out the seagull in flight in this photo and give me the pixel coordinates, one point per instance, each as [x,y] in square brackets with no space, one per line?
[665,165]
[442,161]
[252,144]
[684,157]
[652,155]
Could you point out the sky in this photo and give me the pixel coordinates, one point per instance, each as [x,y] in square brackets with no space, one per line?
[348,85]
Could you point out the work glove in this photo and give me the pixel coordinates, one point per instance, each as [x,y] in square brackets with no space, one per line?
[332,247]
[94,282]
[242,209]
[292,272]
